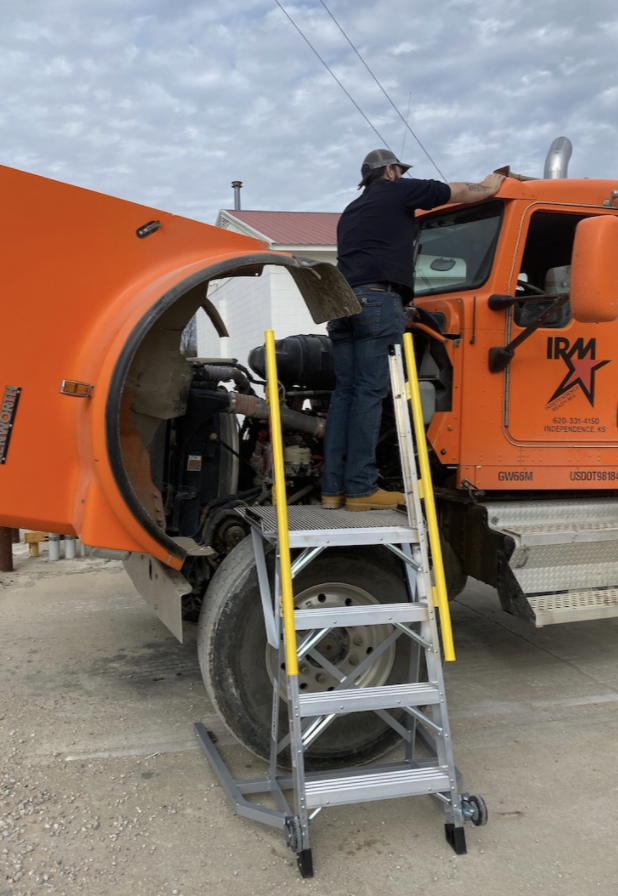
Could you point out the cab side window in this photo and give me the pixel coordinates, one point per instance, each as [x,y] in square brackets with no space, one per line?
[546,267]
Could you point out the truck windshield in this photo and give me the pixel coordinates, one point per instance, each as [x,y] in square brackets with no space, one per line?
[456,249]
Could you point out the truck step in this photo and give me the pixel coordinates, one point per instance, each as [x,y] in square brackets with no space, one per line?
[366,699]
[567,533]
[579,567]
[543,515]
[374,614]
[565,560]
[574,606]
[378,785]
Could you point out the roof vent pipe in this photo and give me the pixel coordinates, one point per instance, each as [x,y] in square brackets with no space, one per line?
[236,186]
[557,161]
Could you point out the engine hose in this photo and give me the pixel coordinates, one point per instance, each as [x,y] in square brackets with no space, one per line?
[429,331]
[218,372]
[257,408]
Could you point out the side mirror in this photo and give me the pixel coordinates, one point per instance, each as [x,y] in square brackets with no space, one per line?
[594,270]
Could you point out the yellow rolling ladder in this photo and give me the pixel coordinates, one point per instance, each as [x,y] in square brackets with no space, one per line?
[416,708]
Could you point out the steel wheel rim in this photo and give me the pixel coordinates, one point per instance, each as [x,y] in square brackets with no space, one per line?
[344,647]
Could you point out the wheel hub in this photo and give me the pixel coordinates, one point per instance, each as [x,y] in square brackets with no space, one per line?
[344,648]
[334,647]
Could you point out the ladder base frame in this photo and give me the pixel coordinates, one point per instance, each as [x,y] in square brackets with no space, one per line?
[275,784]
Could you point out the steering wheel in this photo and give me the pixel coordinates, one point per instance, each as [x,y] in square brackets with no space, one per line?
[529,289]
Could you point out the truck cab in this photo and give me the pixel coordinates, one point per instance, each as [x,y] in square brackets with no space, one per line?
[525,432]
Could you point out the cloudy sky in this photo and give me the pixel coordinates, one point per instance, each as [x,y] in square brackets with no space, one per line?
[165,102]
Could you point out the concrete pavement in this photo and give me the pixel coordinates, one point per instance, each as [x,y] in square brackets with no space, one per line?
[105,791]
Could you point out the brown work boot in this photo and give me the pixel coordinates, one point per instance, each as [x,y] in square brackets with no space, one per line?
[380,500]
[333,502]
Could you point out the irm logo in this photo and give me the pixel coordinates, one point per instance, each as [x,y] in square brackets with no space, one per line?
[580,358]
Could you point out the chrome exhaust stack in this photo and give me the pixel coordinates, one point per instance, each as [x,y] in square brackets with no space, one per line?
[557,161]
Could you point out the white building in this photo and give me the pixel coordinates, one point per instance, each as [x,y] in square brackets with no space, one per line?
[251,305]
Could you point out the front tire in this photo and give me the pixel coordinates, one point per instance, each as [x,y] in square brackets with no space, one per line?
[238,665]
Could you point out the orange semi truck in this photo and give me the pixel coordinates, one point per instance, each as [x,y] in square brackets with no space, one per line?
[109,432]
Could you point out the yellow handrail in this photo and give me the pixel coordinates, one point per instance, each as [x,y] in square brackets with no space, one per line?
[285,565]
[440,592]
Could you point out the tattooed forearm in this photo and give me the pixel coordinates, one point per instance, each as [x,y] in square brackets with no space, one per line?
[467,192]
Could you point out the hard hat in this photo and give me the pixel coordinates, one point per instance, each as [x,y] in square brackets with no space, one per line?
[379,158]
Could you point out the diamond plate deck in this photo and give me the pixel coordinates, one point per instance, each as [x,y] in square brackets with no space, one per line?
[546,515]
[566,567]
[569,528]
[568,534]
[334,527]
[566,555]
[312,517]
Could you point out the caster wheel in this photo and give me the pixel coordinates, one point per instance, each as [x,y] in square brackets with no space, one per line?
[475,810]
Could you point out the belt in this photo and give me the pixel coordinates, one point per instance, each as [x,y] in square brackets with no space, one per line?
[383,287]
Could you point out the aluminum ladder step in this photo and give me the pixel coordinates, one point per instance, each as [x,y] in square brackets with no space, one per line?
[374,614]
[366,699]
[379,785]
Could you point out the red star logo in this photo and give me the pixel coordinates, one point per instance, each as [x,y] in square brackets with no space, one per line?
[581,372]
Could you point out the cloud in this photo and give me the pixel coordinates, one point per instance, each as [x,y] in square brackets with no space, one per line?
[166,104]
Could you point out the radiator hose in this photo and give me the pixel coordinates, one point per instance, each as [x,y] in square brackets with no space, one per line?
[257,409]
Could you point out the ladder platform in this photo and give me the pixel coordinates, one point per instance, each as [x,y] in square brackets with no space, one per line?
[379,785]
[367,699]
[374,614]
[310,525]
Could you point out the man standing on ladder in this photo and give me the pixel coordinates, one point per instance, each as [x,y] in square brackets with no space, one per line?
[375,238]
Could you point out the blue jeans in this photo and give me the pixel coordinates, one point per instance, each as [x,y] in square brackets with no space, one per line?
[360,351]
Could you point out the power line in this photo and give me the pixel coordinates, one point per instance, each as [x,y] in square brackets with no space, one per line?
[381,88]
[327,67]
[403,142]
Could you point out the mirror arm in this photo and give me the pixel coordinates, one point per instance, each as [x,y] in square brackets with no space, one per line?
[500,356]
[497,302]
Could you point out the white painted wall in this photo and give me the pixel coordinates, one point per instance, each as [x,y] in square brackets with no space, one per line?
[251,305]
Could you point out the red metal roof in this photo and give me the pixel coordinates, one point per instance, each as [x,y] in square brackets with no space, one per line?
[292,228]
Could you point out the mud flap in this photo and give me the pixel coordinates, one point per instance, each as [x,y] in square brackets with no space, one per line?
[161,587]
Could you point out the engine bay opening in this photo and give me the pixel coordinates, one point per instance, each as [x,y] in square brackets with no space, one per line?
[192,433]
[189,437]
[195,437]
